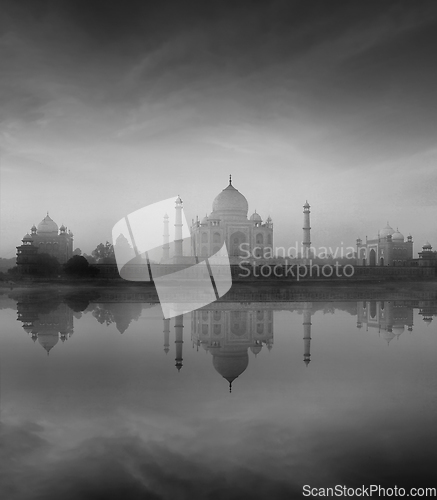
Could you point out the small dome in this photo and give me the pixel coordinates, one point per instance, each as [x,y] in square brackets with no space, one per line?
[256,349]
[27,237]
[204,220]
[33,228]
[48,341]
[397,236]
[255,217]
[63,228]
[307,205]
[387,230]
[398,330]
[388,336]
[47,225]
[230,202]
[427,246]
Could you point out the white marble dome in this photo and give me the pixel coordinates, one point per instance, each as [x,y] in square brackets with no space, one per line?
[230,202]
[47,225]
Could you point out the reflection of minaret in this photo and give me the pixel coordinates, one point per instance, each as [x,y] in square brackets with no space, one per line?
[306,244]
[307,336]
[178,229]
[179,327]
[166,245]
[166,335]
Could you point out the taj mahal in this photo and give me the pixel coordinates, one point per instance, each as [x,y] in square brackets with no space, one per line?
[229,223]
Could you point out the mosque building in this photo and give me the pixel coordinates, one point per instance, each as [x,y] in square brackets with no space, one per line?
[46,238]
[389,248]
[229,223]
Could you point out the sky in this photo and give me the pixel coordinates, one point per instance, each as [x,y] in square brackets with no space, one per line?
[107,107]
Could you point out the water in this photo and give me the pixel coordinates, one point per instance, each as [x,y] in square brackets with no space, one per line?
[102,398]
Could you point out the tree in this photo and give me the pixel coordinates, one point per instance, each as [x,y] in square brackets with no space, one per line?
[104,253]
[46,264]
[90,259]
[79,266]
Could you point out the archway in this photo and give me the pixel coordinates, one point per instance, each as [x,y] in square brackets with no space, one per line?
[372,257]
[381,261]
[236,240]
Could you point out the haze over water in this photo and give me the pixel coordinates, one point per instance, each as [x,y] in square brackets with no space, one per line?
[107,414]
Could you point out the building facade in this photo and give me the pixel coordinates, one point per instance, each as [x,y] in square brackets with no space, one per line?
[389,248]
[229,223]
[46,238]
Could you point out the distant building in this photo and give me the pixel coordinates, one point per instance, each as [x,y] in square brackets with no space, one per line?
[389,248]
[46,238]
[428,256]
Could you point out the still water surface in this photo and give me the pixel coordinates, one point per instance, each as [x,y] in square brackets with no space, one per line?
[104,399]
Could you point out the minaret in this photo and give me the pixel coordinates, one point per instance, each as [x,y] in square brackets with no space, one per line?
[178,229]
[166,335]
[307,336]
[306,244]
[179,327]
[166,237]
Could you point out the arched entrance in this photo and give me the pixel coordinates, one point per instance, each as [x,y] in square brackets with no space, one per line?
[236,240]
[372,257]
[381,261]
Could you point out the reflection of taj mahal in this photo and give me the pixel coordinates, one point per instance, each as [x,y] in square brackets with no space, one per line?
[229,331]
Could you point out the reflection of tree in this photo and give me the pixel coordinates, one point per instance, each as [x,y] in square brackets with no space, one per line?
[120,313]
[79,301]
[103,315]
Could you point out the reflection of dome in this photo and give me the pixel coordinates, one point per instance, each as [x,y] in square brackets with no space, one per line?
[388,335]
[387,230]
[47,225]
[48,341]
[255,217]
[397,236]
[230,202]
[230,364]
[398,330]
[256,349]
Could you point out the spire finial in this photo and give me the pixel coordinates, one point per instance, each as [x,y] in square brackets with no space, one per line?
[230,179]
[230,386]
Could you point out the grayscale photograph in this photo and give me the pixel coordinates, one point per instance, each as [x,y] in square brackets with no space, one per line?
[218,249]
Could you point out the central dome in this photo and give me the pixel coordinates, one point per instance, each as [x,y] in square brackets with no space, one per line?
[230,202]
[386,231]
[47,225]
